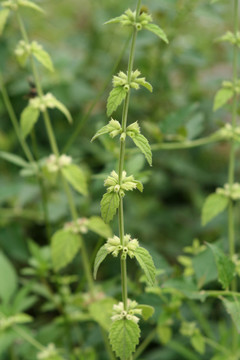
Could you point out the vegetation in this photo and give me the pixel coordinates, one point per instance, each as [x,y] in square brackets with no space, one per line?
[173,294]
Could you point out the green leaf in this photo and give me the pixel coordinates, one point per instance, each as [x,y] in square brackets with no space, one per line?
[8,278]
[64,246]
[116,96]
[29,117]
[101,255]
[3,19]
[124,336]
[102,131]
[63,109]
[146,262]
[225,266]
[142,143]
[164,333]
[14,159]
[204,267]
[146,84]
[115,20]
[198,342]
[97,225]
[101,312]
[233,308]
[213,205]
[222,97]
[157,31]
[76,177]
[139,185]
[147,311]
[109,206]
[30,4]
[21,318]
[43,57]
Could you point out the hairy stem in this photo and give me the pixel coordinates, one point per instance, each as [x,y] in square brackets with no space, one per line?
[121,164]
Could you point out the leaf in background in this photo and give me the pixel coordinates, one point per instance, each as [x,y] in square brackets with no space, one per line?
[204,267]
[3,19]
[28,119]
[30,4]
[116,96]
[97,225]
[142,143]
[43,57]
[64,246]
[233,308]
[101,312]
[225,266]
[146,263]
[198,342]
[213,205]
[101,255]
[109,206]
[76,177]
[222,97]
[124,336]
[8,278]
[147,311]
[164,333]
[63,109]
[157,31]
[14,159]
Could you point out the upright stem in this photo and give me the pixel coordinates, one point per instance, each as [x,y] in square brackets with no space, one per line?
[121,164]
[232,160]
[55,150]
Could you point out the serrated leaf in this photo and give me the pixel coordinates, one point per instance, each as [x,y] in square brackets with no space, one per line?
[76,177]
[14,159]
[43,57]
[3,19]
[109,206]
[63,109]
[124,336]
[115,20]
[64,246]
[198,342]
[147,311]
[116,96]
[222,97]
[157,31]
[102,131]
[28,119]
[146,263]
[101,312]
[30,4]
[213,205]
[97,225]
[8,279]
[142,143]
[225,266]
[101,255]
[233,308]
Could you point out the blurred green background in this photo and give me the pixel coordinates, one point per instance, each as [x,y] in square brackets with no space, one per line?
[185,76]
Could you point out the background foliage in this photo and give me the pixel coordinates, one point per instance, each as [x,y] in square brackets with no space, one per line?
[185,76]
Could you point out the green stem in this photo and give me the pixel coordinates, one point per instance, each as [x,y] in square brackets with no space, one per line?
[14,121]
[217,293]
[55,150]
[28,338]
[231,168]
[186,144]
[42,187]
[121,164]
[144,344]
[107,345]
